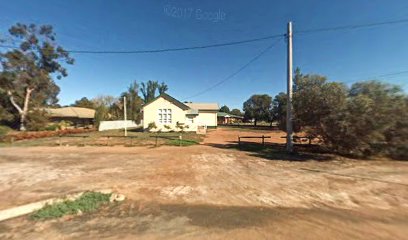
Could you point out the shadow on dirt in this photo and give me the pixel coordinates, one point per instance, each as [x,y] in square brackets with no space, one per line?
[225,217]
[151,217]
[276,151]
[155,218]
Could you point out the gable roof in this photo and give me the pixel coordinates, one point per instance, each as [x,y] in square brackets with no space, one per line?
[203,106]
[170,99]
[75,112]
[186,106]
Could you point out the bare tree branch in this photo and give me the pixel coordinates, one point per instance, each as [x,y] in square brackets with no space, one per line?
[27,99]
[11,97]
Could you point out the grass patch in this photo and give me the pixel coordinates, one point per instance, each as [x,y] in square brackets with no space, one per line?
[184,142]
[88,202]
[109,138]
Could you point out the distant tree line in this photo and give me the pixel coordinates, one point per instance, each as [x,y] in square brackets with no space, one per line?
[234,111]
[368,118]
[112,108]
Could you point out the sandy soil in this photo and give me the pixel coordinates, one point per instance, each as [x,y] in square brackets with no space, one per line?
[206,192]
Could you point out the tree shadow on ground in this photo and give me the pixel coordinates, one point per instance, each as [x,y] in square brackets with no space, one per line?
[135,129]
[277,151]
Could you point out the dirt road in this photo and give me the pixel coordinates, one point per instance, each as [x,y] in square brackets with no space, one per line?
[206,192]
[227,136]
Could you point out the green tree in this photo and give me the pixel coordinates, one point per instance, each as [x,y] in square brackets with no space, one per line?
[225,109]
[396,136]
[279,110]
[236,112]
[133,102]
[116,110]
[7,115]
[163,88]
[369,118]
[102,105]
[148,90]
[26,74]
[373,121]
[315,102]
[258,107]
[37,120]
[84,102]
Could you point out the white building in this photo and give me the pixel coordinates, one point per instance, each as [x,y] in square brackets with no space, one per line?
[169,114]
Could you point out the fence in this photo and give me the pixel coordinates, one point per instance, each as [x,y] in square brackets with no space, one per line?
[262,137]
[111,140]
[119,124]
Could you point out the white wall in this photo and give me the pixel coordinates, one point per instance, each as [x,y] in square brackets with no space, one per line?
[150,114]
[119,124]
[208,119]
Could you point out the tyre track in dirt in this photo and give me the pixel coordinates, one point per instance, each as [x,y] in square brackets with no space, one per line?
[206,192]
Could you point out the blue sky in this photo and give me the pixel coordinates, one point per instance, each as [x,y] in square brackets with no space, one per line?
[138,25]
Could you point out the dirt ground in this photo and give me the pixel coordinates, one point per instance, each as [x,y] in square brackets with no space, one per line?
[206,191]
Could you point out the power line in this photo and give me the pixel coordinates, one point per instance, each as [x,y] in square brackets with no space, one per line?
[168,49]
[236,72]
[351,27]
[378,76]
[339,28]
[392,74]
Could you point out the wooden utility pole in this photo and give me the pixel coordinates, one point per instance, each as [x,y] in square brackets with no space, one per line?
[289,130]
[125,117]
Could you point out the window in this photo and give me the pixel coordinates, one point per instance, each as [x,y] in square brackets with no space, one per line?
[164,116]
[190,120]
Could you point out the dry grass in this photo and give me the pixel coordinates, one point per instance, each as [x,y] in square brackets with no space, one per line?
[111,138]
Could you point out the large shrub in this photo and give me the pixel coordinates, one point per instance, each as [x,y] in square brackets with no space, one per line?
[37,120]
[316,102]
[396,135]
[370,118]
[4,130]
[372,121]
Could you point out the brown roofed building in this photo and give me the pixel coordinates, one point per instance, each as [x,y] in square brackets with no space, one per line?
[80,117]
[227,118]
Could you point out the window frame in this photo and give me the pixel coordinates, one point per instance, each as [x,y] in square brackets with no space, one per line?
[164,115]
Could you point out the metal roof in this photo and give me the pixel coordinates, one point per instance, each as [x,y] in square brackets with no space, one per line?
[223,114]
[203,106]
[170,99]
[75,112]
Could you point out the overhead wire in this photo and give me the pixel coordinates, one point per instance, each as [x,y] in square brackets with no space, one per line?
[166,49]
[233,43]
[352,27]
[230,76]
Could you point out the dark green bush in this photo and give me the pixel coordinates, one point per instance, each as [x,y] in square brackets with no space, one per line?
[4,130]
[52,127]
[37,120]
[370,118]
[151,126]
